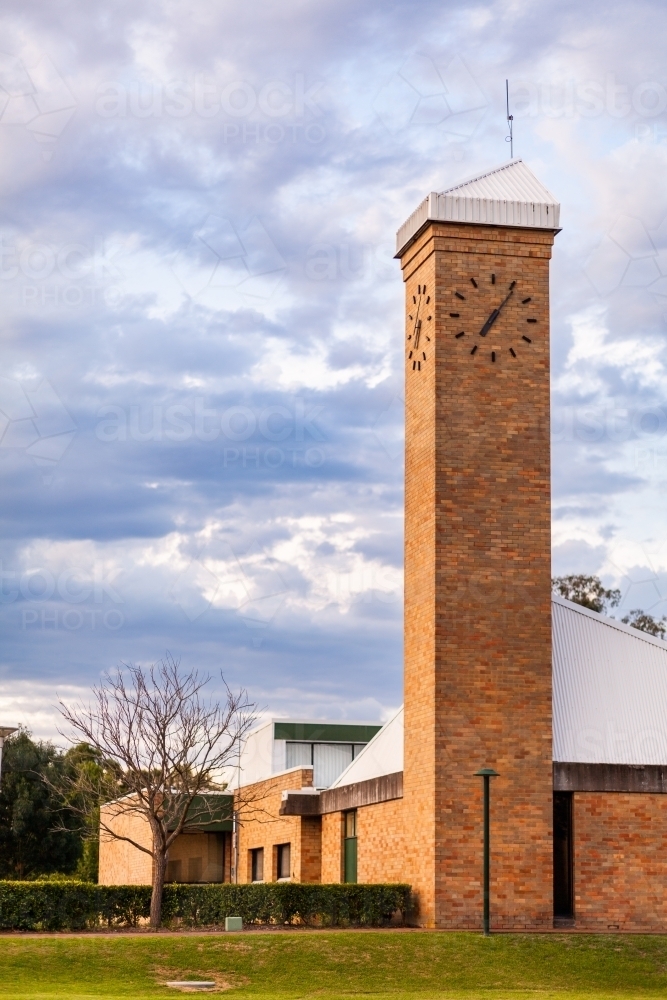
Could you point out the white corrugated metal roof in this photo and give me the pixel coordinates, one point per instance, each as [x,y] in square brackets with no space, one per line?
[382,755]
[609,698]
[510,195]
[609,690]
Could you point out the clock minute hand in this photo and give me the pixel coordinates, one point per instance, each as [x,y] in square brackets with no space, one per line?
[494,315]
[417,327]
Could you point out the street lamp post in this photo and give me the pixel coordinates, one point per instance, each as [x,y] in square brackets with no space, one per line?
[5,731]
[486,773]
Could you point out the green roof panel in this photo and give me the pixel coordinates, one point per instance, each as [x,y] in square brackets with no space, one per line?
[210,814]
[324,732]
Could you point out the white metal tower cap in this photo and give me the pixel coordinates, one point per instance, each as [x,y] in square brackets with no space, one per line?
[510,195]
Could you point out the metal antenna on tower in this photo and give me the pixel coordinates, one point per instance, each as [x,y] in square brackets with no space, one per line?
[510,118]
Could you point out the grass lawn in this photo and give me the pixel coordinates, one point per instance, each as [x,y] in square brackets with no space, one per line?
[332,964]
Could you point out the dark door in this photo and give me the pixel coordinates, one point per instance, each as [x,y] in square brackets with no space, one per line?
[563,855]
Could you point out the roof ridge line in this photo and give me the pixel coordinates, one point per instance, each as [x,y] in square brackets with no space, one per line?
[636,633]
[479,177]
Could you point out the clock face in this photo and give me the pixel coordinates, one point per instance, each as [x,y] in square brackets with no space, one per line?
[420,320]
[493,318]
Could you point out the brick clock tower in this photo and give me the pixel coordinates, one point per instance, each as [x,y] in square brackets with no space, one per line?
[475,262]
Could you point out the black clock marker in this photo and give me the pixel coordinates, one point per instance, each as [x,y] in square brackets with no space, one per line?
[512,352]
[459,296]
[414,365]
[461,334]
[524,301]
[429,318]
[493,279]
[512,285]
[474,349]
[493,355]
[527,339]
[423,356]
[419,366]
[429,339]
[414,299]
[473,282]
[454,315]
[531,321]
[409,355]
[428,299]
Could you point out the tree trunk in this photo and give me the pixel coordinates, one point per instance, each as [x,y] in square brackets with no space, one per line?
[159,871]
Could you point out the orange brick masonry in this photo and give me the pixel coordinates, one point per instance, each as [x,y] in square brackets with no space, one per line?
[261,825]
[620,861]
[381,836]
[477,555]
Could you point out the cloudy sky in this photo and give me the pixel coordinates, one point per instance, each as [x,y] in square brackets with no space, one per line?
[201,391]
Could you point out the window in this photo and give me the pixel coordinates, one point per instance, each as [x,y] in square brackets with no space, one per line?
[283,868]
[257,865]
[330,760]
[299,755]
[194,869]
[174,869]
[563,855]
[350,846]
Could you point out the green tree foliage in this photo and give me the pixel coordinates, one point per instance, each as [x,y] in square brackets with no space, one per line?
[37,835]
[590,593]
[647,623]
[587,591]
[86,771]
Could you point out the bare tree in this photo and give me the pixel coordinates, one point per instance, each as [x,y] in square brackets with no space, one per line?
[165,743]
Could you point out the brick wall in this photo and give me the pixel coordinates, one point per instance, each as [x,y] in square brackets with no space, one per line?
[380,844]
[381,836]
[332,847]
[261,825]
[477,577]
[620,861]
[202,856]
[120,862]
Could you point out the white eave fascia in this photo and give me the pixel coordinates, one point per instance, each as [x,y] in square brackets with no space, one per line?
[509,195]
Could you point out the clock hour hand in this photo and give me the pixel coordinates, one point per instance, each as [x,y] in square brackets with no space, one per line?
[418,327]
[495,314]
[489,323]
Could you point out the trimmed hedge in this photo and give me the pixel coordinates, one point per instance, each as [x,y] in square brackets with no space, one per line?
[54,906]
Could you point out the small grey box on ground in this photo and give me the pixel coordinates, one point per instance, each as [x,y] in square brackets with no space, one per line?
[233,923]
